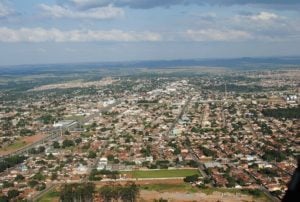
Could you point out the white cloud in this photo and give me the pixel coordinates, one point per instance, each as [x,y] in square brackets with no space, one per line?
[5,11]
[90,3]
[259,18]
[217,35]
[264,16]
[99,13]
[56,35]
[146,4]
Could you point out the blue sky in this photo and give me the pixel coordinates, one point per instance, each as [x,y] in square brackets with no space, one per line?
[62,31]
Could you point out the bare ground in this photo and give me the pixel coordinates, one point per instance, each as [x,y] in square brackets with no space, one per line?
[146,195]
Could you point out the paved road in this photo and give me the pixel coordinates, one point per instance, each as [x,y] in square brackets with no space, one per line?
[170,129]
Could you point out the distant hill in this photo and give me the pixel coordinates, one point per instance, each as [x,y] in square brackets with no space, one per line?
[245,63]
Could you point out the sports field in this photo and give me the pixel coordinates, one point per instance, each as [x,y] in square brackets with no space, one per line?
[165,173]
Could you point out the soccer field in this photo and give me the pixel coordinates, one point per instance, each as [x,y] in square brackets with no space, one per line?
[165,173]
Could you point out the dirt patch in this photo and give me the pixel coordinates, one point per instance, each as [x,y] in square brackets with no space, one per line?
[32,139]
[146,195]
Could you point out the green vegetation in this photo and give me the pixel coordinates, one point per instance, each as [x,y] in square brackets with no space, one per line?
[14,146]
[68,143]
[86,191]
[47,119]
[191,178]
[92,154]
[161,173]
[237,88]
[55,145]
[290,113]
[268,172]
[26,132]
[170,187]
[271,155]
[50,196]
[265,129]
[190,189]
[11,196]
[19,177]
[38,150]
[96,175]
[77,192]
[10,162]
[38,176]
[128,192]
[13,193]
[207,152]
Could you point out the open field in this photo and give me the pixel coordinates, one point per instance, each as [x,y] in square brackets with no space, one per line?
[20,143]
[177,191]
[75,84]
[160,173]
[172,187]
[14,146]
[51,196]
[146,195]
[185,192]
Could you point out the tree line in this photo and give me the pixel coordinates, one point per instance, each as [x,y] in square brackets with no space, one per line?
[115,192]
[85,192]
[290,113]
[77,192]
[11,162]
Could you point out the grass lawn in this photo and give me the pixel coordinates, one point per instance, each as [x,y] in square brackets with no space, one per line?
[14,146]
[50,196]
[161,173]
[183,187]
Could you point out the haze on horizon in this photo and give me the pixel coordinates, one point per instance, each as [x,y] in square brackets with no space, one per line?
[63,31]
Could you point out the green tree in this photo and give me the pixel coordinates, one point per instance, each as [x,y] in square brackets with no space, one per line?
[191,178]
[19,177]
[13,193]
[55,145]
[54,176]
[92,154]
[38,176]
[68,143]
[4,198]
[130,192]
[77,192]
[78,141]
[106,193]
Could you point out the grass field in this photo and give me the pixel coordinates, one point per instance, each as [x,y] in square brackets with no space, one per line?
[20,143]
[161,173]
[180,189]
[50,196]
[184,187]
[14,146]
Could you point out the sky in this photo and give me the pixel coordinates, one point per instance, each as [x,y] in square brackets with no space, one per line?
[70,31]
